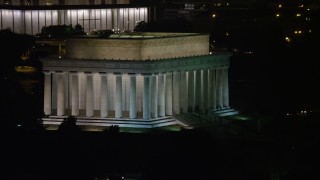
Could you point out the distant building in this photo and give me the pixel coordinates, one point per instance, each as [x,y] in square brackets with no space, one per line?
[23,16]
[135,80]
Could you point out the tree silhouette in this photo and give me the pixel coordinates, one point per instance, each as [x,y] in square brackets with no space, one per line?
[112,129]
[61,31]
[69,124]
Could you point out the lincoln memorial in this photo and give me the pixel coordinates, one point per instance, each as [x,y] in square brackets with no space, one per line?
[135,79]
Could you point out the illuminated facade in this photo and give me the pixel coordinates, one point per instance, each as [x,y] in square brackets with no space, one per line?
[135,80]
[60,2]
[30,16]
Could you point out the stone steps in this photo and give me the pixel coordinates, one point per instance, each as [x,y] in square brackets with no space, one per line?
[188,119]
[225,112]
[135,123]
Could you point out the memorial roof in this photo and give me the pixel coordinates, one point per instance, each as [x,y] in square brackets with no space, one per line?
[142,35]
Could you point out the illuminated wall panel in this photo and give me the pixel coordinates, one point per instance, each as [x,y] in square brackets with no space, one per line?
[42,20]
[48,18]
[7,19]
[55,17]
[103,16]
[18,23]
[131,18]
[92,21]
[98,17]
[36,18]
[28,22]
[85,22]
[31,21]
[73,17]
[109,19]
[120,19]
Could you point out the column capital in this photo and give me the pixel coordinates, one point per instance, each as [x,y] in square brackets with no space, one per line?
[103,73]
[161,73]
[117,73]
[146,74]
[59,72]
[87,72]
[73,72]
[132,74]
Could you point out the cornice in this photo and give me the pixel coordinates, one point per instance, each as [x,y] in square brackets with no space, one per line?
[125,66]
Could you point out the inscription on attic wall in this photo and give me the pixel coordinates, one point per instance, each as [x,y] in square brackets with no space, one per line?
[138,49]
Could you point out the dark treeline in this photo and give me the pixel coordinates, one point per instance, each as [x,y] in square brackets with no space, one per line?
[20,93]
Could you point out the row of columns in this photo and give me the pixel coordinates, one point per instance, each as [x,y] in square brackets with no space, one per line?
[164,94]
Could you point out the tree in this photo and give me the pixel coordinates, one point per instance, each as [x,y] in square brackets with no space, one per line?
[78,30]
[69,124]
[14,100]
[61,31]
[12,46]
[112,129]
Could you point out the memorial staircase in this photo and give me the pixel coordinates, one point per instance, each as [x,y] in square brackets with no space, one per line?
[193,119]
[223,112]
[121,122]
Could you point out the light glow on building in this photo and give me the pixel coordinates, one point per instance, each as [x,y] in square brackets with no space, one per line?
[32,21]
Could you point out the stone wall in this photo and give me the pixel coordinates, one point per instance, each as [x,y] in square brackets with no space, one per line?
[181,45]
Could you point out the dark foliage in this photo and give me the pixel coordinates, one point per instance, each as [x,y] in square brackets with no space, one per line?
[61,31]
[112,129]
[12,46]
[21,93]
[103,33]
[69,124]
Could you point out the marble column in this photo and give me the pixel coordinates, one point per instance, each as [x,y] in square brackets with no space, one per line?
[212,89]
[183,92]
[225,88]
[146,96]
[175,91]
[60,94]
[168,94]
[104,95]
[74,94]
[219,87]
[161,93]
[198,90]
[89,95]
[191,90]
[133,97]
[118,96]
[47,93]
[154,95]
[215,88]
[204,98]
